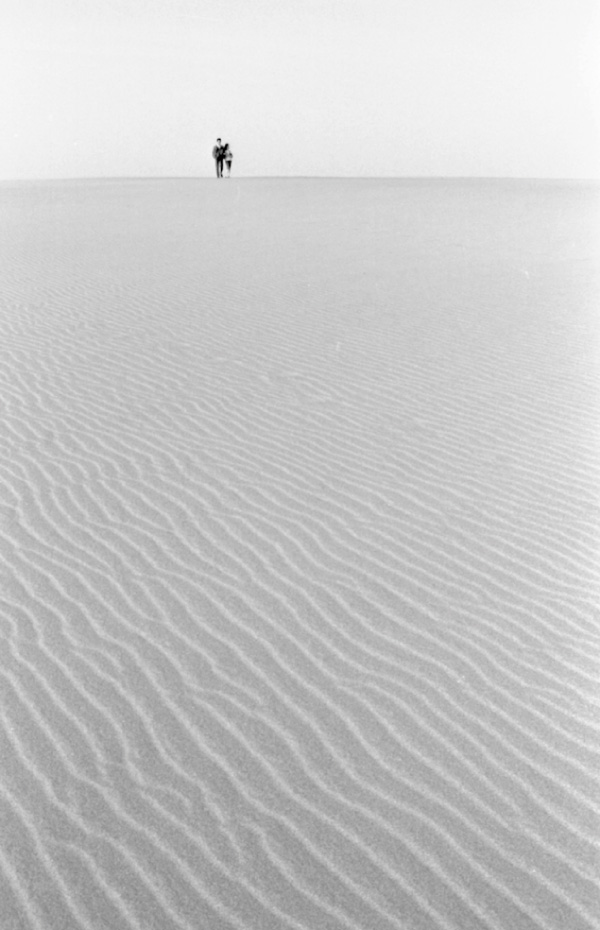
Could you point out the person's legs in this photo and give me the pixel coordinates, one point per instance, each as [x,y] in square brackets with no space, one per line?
[220,167]
[228,163]
[217,166]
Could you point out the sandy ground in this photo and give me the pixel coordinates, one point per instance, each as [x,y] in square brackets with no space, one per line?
[299,563]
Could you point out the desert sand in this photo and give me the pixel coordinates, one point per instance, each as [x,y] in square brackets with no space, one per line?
[299,562]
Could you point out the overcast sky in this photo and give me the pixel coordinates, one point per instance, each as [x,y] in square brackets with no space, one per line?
[92,88]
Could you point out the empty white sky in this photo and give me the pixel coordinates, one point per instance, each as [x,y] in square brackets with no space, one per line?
[300,87]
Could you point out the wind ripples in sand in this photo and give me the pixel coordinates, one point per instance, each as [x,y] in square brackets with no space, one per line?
[299,556]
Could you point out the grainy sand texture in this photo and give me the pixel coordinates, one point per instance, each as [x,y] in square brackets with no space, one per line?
[299,575]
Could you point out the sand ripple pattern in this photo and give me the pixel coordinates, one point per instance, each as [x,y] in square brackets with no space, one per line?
[299,563]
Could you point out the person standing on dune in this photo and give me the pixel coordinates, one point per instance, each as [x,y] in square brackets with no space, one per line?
[217,154]
[228,158]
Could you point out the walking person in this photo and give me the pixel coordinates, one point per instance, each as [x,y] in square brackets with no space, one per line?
[228,158]
[217,154]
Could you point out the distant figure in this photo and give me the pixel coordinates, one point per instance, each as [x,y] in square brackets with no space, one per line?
[217,154]
[228,158]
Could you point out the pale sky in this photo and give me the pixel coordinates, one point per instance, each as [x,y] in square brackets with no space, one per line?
[300,87]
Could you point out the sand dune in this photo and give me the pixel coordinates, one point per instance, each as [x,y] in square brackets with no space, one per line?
[299,555]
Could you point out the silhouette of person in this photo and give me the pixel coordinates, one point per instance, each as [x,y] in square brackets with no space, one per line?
[217,154]
[228,158]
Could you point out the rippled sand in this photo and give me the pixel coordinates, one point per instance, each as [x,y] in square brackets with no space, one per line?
[299,562]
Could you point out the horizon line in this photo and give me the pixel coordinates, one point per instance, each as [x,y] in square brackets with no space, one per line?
[296,177]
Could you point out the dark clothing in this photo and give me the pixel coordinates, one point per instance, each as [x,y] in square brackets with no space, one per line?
[217,153]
